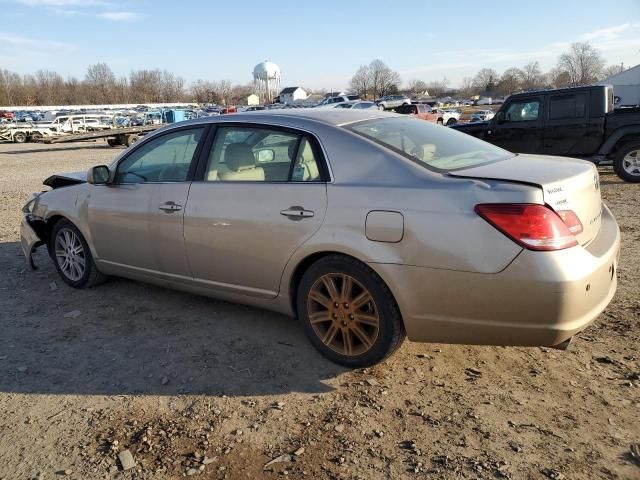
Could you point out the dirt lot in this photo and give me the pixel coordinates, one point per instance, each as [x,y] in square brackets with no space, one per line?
[192,386]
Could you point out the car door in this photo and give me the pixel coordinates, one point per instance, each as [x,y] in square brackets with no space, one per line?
[262,194]
[521,129]
[567,129]
[136,221]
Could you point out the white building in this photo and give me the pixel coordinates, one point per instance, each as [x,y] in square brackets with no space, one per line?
[293,94]
[253,99]
[626,86]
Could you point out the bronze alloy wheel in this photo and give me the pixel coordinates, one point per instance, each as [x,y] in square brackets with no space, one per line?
[343,314]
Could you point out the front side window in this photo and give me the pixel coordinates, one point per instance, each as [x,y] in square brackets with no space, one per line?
[163,159]
[524,111]
[261,155]
[434,147]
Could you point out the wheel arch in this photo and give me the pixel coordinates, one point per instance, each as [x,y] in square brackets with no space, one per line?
[619,138]
[303,265]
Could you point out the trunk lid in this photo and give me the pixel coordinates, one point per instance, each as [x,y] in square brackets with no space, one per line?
[567,184]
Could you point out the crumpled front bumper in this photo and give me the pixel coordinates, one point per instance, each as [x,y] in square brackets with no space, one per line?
[29,238]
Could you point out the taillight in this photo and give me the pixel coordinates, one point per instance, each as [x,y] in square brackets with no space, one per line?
[533,226]
[571,220]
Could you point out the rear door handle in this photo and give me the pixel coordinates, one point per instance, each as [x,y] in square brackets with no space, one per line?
[170,207]
[296,213]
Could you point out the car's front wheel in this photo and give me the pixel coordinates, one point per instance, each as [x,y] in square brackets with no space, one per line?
[348,312]
[72,257]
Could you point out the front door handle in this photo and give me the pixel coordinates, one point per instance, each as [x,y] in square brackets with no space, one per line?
[170,207]
[296,213]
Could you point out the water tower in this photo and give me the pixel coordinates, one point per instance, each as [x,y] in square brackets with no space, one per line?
[266,80]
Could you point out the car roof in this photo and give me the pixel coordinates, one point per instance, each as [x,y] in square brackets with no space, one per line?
[331,116]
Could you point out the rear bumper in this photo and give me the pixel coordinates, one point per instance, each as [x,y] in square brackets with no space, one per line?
[541,298]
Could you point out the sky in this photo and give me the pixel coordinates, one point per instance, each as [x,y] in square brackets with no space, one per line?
[317,44]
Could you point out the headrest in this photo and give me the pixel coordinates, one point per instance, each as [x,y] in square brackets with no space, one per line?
[239,156]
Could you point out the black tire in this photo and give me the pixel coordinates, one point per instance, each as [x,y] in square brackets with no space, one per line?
[19,137]
[390,330]
[130,140]
[451,121]
[622,168]
[90,276]
[36,137]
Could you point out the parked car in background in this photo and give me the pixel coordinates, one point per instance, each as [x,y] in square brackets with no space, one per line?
[482,115]
[447,117]
[364,225]
[389,102]
[358,105]
[6,114]
[338,99]
[421,111]
[484,101]
[575,122]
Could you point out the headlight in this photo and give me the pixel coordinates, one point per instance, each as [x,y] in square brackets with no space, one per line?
[31,203]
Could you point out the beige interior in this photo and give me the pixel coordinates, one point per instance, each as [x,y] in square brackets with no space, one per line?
[239,164]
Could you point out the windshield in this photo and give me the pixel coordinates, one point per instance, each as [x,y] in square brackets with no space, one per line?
[435,147]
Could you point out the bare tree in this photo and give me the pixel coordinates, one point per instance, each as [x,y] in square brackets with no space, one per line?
[558,78]
[375,80]
[383,79]
[466,87]
[486,80]
[417,88]
[509,81]
[583,63]
[361,81]
[531,76]
[100,79]
[438,88]
[611,70]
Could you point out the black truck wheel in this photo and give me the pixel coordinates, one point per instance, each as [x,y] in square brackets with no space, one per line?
[626,164]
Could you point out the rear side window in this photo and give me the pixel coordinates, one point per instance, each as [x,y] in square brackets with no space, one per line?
[261,155]
[564,107]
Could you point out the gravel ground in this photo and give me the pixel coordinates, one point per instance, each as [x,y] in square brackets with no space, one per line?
[191,386]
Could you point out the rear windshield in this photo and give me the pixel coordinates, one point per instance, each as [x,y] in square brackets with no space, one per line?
[434,146]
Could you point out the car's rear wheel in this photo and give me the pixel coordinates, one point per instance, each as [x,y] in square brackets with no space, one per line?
[20,137]
[348,312]
[451,121]
[627,162]
[72,257]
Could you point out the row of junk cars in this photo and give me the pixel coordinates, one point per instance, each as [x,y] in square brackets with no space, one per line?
[36,125]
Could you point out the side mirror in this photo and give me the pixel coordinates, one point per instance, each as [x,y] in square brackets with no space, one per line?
[500,118]
[98,175]
[266,155]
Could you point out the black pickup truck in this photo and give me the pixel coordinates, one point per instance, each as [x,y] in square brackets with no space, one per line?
[572,122]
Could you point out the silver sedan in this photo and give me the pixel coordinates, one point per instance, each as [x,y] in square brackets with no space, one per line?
[365,225]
